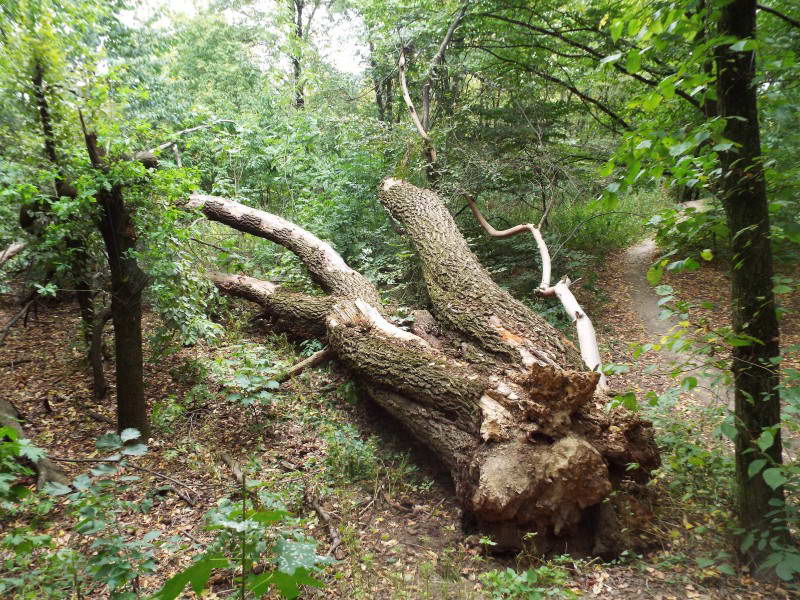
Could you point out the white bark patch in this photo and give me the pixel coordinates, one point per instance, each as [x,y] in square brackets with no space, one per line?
[391,182]
[374,318]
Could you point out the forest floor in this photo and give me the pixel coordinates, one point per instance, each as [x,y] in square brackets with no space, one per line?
[387,498]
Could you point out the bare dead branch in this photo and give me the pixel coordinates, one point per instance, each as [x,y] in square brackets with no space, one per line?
[314,360]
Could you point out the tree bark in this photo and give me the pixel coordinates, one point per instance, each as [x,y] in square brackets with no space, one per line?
[99,383]
[743,189]
[325,265]
[127,283]
[527,446]
[297,67]
[462,291]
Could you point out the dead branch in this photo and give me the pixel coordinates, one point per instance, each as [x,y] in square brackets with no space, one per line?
[587,338]
[10,252]
[166,145]
[411,109]
[14,363]
[325,517]
[47,471]
[314,360]
[14,319]
[233,466]
[780,15]
[158,474]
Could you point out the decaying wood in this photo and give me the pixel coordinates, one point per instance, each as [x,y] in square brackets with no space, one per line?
[236,470]
[326,267]
[7,327]
[500,396]
[462,292]
[336,541]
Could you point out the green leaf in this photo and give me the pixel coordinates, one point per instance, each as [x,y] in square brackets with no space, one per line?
[765,440]
[655,273]
[56,489]
[774,477]
[134,450]
[754,468]
[744,45]
[788,566]
[707,255]
[634,62]
[729,431]
[293,555]
[611,58]
[268,517]
[616,29]
[679,149]
[108,441]
[606,169]
[28,450]
[129,434]
[288,585]
[198,575]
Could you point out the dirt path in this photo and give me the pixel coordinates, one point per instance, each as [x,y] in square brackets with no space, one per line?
[644,302]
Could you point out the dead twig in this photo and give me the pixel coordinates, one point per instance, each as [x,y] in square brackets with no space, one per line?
[14,319]
[185,497]
[333,532]
[14,363]
[233,466]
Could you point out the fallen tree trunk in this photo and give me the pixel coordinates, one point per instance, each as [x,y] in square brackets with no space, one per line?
[500,395]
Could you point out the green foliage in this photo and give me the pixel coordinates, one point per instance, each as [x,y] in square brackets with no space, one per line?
[107,558]
[249,376]
[349,457]
[12,449]
[546,581]
[249,537]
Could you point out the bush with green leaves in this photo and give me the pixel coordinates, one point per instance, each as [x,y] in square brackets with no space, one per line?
[545,581]
[349,457]
[261,542]
[12,449]
[104,559]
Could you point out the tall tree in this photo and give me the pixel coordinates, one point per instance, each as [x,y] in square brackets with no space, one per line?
[744,195]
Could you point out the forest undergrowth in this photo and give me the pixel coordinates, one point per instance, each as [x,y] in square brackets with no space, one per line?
[368,494]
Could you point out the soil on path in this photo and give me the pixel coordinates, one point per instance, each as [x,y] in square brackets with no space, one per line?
[711,387]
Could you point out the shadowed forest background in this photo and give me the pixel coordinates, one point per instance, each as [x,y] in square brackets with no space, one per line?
[399,299]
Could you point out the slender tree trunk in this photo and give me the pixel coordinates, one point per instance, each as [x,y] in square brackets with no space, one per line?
[380,102]
[297,67]
[79,259]
[96,355]
[127,284]
[745,199]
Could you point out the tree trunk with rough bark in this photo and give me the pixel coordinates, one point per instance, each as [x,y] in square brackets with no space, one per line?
[744,195]
[498,394]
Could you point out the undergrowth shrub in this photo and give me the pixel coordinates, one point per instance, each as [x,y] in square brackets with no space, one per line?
[349,457]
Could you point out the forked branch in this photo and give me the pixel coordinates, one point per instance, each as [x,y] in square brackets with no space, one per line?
[587,338]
